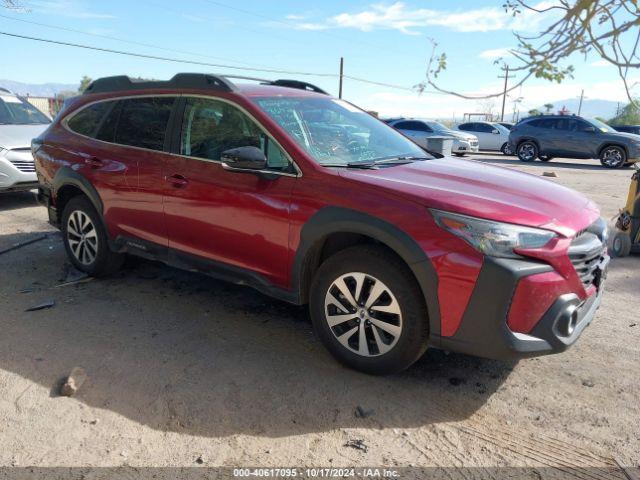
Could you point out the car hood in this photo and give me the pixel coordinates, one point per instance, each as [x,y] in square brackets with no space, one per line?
[481,190]
[19,136]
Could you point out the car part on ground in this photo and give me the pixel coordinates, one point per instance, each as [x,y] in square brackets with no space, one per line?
[626,238]
[311,200]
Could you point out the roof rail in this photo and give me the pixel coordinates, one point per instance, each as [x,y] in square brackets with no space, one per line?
[189,80]
[297,84]
[180,80]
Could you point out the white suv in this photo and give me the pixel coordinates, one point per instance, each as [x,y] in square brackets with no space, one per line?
[19,123]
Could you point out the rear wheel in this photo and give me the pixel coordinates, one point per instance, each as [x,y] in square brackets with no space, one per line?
[368,310]
[620,244]
[527,151]
[85,239]
[613,157]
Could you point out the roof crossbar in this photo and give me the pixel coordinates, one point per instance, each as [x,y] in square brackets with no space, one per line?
[180,80]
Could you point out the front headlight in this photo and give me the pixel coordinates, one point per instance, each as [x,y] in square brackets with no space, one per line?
[492,238]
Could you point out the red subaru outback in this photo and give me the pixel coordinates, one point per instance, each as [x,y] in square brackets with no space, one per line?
[311,200]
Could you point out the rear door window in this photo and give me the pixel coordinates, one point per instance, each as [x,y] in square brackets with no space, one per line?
[143,122]
[87,120]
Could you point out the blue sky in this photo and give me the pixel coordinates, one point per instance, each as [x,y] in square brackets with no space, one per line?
[382,41]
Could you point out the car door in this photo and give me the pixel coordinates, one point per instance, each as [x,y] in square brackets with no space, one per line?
[485,138]
[124,163]
[581,138]
[219,216]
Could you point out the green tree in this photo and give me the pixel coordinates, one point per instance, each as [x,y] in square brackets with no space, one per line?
[84,83]
[629,115]
[548,107]
[535,111]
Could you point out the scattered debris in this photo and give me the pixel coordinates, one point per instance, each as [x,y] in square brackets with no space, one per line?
[41,306]
[200,460]
[455,381]
[15,246]
[549,174]
[587,383]
[73,382]
[633,324]
[362,413]
[72,275]
[358,444]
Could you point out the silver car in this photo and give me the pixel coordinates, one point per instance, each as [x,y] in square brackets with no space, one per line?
[419,130]
[19,123]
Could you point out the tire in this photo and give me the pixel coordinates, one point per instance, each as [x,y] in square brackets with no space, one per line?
[376,270]
[506,149]
[85,239]
[459,154]
[620,245]
[545,158]
[527,151]
[613,157]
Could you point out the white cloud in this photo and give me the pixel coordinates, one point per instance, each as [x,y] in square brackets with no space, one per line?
[67,8]
[398,16]
[600,63]
[496,53]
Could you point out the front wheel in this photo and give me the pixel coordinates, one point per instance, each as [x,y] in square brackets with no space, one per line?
[368,310]
[527,151]
[458,154]
[613,157]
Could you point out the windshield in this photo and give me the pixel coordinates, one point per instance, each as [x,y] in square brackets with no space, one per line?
[437,127]
[336,133]
[603,127]
[14,111]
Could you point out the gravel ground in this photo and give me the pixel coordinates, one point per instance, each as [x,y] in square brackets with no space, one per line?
[186,371]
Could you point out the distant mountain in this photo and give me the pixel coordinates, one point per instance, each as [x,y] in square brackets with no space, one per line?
[37,90]
[590,108]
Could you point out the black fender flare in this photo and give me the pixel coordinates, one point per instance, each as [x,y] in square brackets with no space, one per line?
[66,176]
[331,220]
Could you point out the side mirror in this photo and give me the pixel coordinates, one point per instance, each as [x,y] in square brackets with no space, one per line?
[244,158]
[495,131]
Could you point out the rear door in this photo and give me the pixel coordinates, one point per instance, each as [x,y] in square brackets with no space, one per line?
[212,214]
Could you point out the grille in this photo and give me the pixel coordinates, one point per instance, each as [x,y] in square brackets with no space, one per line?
[21,158]
[587,251]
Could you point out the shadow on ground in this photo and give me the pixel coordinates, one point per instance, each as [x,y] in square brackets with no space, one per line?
[16,200]
[177,351]
[574,165]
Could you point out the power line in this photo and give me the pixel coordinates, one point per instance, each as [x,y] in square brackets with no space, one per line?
[109,37]
[207,64]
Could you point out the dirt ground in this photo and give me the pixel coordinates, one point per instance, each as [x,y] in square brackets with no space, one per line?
[186,371]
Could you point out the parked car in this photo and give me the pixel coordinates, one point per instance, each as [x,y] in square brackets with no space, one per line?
[19,123]
[635,129]
[264,185]
[548,136]
[419,130]
[491,135]
[507,125]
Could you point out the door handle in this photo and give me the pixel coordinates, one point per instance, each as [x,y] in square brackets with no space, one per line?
[94,162]
[177,180]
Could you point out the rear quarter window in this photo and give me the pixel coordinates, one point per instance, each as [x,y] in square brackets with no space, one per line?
[88,119]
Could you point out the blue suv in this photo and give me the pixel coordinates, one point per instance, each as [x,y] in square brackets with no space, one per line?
[548,136]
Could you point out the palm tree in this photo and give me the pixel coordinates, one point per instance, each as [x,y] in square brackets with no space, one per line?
[548,107]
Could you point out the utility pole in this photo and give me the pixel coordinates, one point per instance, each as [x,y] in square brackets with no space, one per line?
[506,77]
[341,76]
[582,97]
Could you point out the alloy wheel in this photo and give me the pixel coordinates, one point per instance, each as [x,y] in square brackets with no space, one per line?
[527,152]
[612,157]
[82,237]
[363,314]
